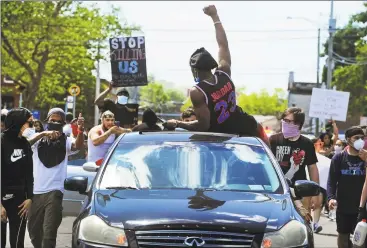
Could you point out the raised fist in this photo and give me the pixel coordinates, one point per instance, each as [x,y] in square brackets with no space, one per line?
[210,10]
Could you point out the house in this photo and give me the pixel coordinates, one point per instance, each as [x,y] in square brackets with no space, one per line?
[11,93]
[299,95]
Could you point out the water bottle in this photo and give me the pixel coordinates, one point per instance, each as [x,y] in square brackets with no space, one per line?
[360,233]
[332,213]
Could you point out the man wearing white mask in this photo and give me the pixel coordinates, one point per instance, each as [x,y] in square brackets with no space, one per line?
[126,116]
[295,152]
[344,188]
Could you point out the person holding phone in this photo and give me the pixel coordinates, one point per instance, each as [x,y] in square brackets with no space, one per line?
[101,137]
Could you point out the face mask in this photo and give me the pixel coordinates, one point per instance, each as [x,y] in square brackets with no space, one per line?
[338,149]
[28,132]
[196,78]
[122,100]
[358,144]
[290,130]
[54,126]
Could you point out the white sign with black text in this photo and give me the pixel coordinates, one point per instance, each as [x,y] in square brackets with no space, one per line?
[329,104]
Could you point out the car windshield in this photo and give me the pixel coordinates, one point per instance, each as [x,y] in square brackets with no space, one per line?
[190,165]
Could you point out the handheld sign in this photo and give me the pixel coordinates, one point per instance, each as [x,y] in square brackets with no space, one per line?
[128,61]
[329,104]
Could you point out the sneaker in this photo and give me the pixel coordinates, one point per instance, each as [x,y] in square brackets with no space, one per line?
[317,228]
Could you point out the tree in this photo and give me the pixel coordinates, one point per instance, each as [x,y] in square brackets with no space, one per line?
[351,74]
[263,103]
[51,45]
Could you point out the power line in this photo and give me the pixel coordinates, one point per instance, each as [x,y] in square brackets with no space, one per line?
[177,30]
[269,39]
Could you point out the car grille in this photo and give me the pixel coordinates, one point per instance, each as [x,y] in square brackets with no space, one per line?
[177,238]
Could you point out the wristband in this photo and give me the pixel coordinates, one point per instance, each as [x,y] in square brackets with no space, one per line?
[218,22]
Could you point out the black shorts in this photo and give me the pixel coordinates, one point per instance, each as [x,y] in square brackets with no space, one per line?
[346,223]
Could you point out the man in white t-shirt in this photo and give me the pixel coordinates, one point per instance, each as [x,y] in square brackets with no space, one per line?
[51,149]
[67,130]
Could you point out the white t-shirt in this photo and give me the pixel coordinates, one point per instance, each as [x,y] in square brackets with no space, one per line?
[323,165]
[67,130]
[50,179]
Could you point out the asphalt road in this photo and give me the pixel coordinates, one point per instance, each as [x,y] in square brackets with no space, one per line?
[325,239]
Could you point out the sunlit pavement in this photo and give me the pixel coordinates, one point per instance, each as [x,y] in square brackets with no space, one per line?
[325,239]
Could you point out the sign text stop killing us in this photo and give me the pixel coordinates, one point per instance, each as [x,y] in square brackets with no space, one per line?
[128,61]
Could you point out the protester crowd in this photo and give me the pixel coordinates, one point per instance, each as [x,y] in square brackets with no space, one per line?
[34,154]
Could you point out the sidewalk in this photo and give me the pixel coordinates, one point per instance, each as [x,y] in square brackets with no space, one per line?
[327,238]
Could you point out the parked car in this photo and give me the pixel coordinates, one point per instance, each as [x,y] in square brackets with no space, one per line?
[187,189]
[72,201]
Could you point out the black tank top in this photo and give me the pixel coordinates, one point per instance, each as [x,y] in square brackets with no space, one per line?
[221,100]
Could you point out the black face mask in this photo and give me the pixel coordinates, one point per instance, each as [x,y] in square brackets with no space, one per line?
[54,126]
[30,123]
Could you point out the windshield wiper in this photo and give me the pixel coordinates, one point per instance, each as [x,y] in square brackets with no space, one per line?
[122,187]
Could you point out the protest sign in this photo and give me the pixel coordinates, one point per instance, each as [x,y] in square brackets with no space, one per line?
[329,104]
[128,61]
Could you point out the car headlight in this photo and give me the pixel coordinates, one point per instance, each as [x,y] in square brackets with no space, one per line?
[93,229]
[293,234]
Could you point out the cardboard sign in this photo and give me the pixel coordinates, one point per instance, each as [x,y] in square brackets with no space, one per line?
[329,104]
[128,61]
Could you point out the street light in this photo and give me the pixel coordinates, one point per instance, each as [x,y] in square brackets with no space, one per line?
[318,60]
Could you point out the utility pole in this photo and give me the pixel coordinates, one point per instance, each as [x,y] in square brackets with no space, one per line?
[98,89]
[318,75]
[332,26]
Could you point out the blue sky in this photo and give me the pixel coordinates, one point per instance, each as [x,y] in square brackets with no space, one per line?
[264,44]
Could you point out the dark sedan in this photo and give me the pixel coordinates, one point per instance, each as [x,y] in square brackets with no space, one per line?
[184,189]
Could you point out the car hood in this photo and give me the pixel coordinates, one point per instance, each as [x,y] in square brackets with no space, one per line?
[140,209]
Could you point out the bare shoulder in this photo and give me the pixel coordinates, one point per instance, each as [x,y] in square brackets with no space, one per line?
[197,97]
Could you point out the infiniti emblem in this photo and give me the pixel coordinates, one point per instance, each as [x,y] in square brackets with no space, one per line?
[194,241]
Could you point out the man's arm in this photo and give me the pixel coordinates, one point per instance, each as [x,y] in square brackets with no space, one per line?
[224,56]
[98,139]
[79,142]
[38,136]
[313,171]
[332,181]
[202,122]
[102,96]
[29,174]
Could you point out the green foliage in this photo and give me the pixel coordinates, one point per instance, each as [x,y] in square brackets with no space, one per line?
[51,45]
[159,99]
[349,42]
[261,103]
[187,104]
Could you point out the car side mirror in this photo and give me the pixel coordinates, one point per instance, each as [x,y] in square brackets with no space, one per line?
[90,166]
[305,188]
[76,183]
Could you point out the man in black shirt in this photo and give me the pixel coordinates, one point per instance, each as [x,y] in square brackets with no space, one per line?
[346,178]
[214,95]
[294,151]
[126,114]
[16,176]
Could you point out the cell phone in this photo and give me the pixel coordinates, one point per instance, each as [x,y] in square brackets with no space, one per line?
[117,123]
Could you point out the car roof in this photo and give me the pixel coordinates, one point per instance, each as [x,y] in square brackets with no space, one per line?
[187,136]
